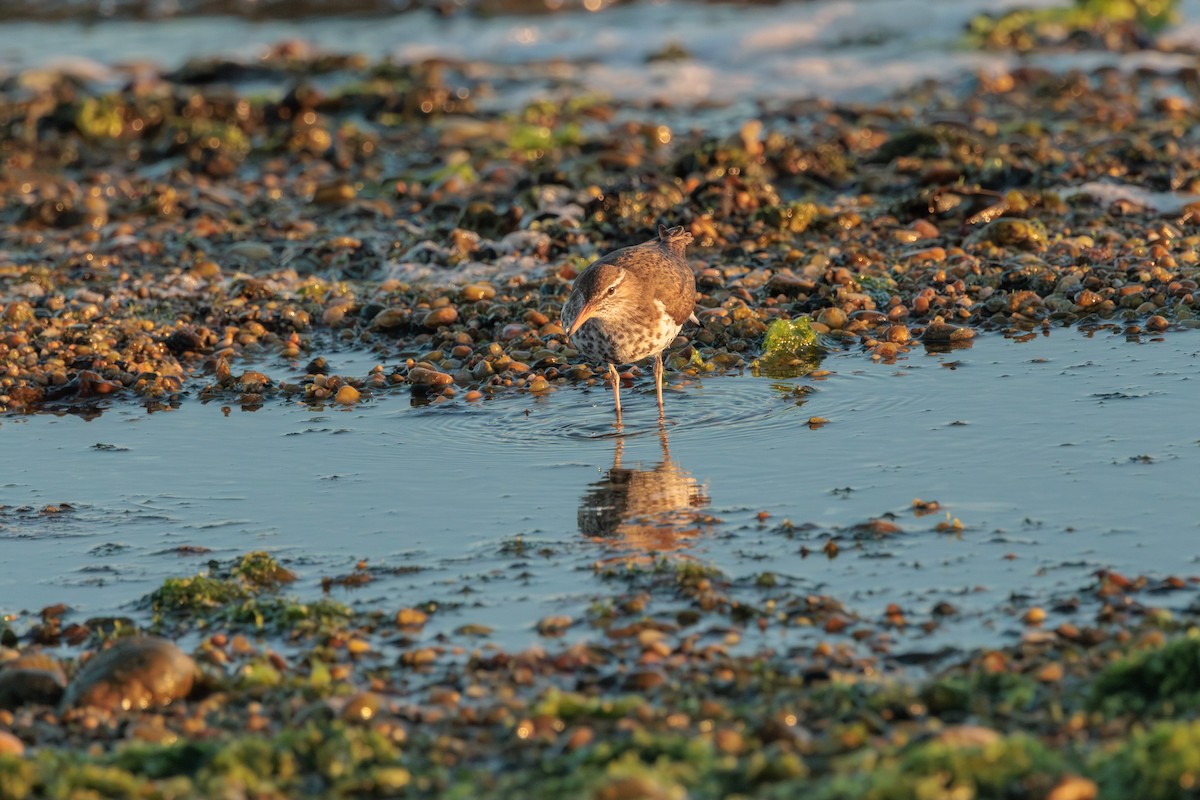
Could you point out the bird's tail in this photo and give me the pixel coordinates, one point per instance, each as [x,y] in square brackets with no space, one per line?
[675,239]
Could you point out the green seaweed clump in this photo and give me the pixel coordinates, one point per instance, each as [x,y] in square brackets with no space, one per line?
[1117,24]
[260,570]
[327,760]
[190,595]
[1157,764]
[1013,766]
[253,573]
[1165,679]
[790,349]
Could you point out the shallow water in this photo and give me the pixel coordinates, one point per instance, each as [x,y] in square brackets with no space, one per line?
[1060,455]
[737,55]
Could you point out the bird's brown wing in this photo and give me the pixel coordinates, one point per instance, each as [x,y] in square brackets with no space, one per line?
[682,302]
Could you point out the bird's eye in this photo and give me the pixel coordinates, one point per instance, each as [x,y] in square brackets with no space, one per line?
[612,290]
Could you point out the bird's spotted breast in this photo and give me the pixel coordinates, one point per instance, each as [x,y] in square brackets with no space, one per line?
[628,341]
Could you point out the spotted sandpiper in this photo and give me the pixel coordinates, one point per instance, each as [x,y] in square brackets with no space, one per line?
[632,303]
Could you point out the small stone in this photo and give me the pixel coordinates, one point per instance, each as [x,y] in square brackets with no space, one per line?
[1157,323]
[940,333]
[252,381]
[833,318]
[429,377]
[926,229]
[729,741]
[790,285]
[580,737]
[554,625]
[18,313]
[347,395]
[440,317]
[1073,787]
[411,618]
[1022,234]
[334,193]
[473,292]
[644,680]
[10,745]
[1051,673]
[362,707]
[135,673]
[390,318]
[968,736]
[473,629]
[1034,616]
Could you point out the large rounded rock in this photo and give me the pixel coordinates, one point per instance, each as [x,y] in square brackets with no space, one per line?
[135,673]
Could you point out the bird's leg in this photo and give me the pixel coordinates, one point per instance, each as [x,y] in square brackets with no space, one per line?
[615,377]
[662,437]
[658,372]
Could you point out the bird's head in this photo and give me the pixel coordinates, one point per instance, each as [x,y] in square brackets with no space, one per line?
[601,291]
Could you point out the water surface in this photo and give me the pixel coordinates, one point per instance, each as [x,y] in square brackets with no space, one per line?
[1060,456]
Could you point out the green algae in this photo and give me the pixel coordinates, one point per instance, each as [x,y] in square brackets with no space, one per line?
[787,337]
[194,594]
[252,573]
[1161,763]
[244,594]
[332,759]
[1012,766]
[1024,29]
[790,349]
[1164,680]
[570,706]
[261,571]
[989,694]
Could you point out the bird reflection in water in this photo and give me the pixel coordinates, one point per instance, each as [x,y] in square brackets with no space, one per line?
[648,511]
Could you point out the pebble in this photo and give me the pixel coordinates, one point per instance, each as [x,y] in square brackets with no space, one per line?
[474,292]
[347,395]
[411,618]
[968,736]
[10,745]
[729,741]
[554,625]
[643,680]
[440,317]
[390,318]
[423,376]
[135,673]
[362,707]
[832,318]
[1073,787]
[940,333]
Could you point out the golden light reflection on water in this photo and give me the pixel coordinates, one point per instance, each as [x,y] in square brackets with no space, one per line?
[648,511]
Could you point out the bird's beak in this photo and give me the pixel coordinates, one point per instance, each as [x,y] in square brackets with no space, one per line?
[585,314]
